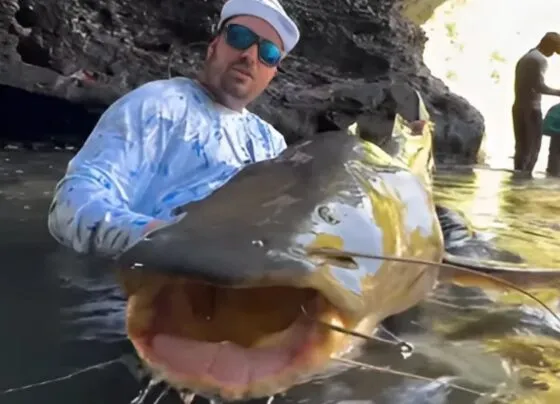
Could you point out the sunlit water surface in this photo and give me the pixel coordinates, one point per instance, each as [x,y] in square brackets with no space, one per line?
[61,313]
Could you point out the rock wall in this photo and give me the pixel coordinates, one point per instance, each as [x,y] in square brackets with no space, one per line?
[63,62]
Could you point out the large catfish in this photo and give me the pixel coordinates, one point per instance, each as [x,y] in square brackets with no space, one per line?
[229,301]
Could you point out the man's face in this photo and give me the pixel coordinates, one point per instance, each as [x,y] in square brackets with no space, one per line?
[238,77]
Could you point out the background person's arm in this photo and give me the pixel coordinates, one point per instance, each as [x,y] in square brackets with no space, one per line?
[541,85]
[90,211]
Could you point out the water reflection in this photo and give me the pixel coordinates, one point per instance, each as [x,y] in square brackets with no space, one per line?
[61,313]
[519,215]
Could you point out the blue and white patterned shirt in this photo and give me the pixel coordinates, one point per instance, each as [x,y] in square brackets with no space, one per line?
[160,146]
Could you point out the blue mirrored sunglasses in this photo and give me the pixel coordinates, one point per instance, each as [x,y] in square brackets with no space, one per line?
[241,38]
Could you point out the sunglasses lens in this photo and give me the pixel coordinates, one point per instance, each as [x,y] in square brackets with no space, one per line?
[240,37]
[270,53]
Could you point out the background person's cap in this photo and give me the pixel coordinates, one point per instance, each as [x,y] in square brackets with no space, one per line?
[270,11]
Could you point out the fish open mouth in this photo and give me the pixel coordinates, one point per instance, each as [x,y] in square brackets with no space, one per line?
[236,343]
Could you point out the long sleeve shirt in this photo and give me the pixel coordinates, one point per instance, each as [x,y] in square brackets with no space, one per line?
[160,146]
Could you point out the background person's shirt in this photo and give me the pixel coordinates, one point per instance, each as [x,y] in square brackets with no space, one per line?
[160,146]
[529,79]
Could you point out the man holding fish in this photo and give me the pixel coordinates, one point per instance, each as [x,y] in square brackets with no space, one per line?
[239,299]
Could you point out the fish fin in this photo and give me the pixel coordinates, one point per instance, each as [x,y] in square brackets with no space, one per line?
[415,148]
[406,149]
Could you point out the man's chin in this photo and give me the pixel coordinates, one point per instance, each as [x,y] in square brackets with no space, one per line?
[236,94]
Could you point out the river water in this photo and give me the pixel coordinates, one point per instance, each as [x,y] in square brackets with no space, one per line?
[61,313]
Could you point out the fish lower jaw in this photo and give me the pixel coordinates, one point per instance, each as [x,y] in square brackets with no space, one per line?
[232,372]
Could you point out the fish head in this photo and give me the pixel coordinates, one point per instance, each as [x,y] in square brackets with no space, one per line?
[232,299]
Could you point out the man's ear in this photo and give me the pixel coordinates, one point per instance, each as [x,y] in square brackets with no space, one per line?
[278,69]
[211,48]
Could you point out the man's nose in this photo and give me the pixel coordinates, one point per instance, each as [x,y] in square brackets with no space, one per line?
[251,53]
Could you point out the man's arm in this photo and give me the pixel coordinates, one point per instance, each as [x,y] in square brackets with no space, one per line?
[277,140]
[90,211]
[541,85]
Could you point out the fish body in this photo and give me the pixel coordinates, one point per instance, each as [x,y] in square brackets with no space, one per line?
[229,300]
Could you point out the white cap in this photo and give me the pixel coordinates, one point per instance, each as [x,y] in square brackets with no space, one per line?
[269,10]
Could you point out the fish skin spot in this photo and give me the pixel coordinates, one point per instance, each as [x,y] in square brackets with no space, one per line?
[327,215]
[300,158]
[282,200]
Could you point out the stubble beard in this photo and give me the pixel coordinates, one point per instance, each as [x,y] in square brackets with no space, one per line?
[227,89]
[233,86]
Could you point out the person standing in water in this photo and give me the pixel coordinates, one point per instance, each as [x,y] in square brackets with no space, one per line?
[526,110]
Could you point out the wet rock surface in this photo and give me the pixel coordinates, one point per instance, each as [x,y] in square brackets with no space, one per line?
[62,63]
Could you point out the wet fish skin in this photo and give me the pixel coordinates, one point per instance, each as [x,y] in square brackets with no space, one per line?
[335,191]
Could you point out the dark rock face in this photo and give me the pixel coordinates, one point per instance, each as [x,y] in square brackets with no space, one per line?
[65,61]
